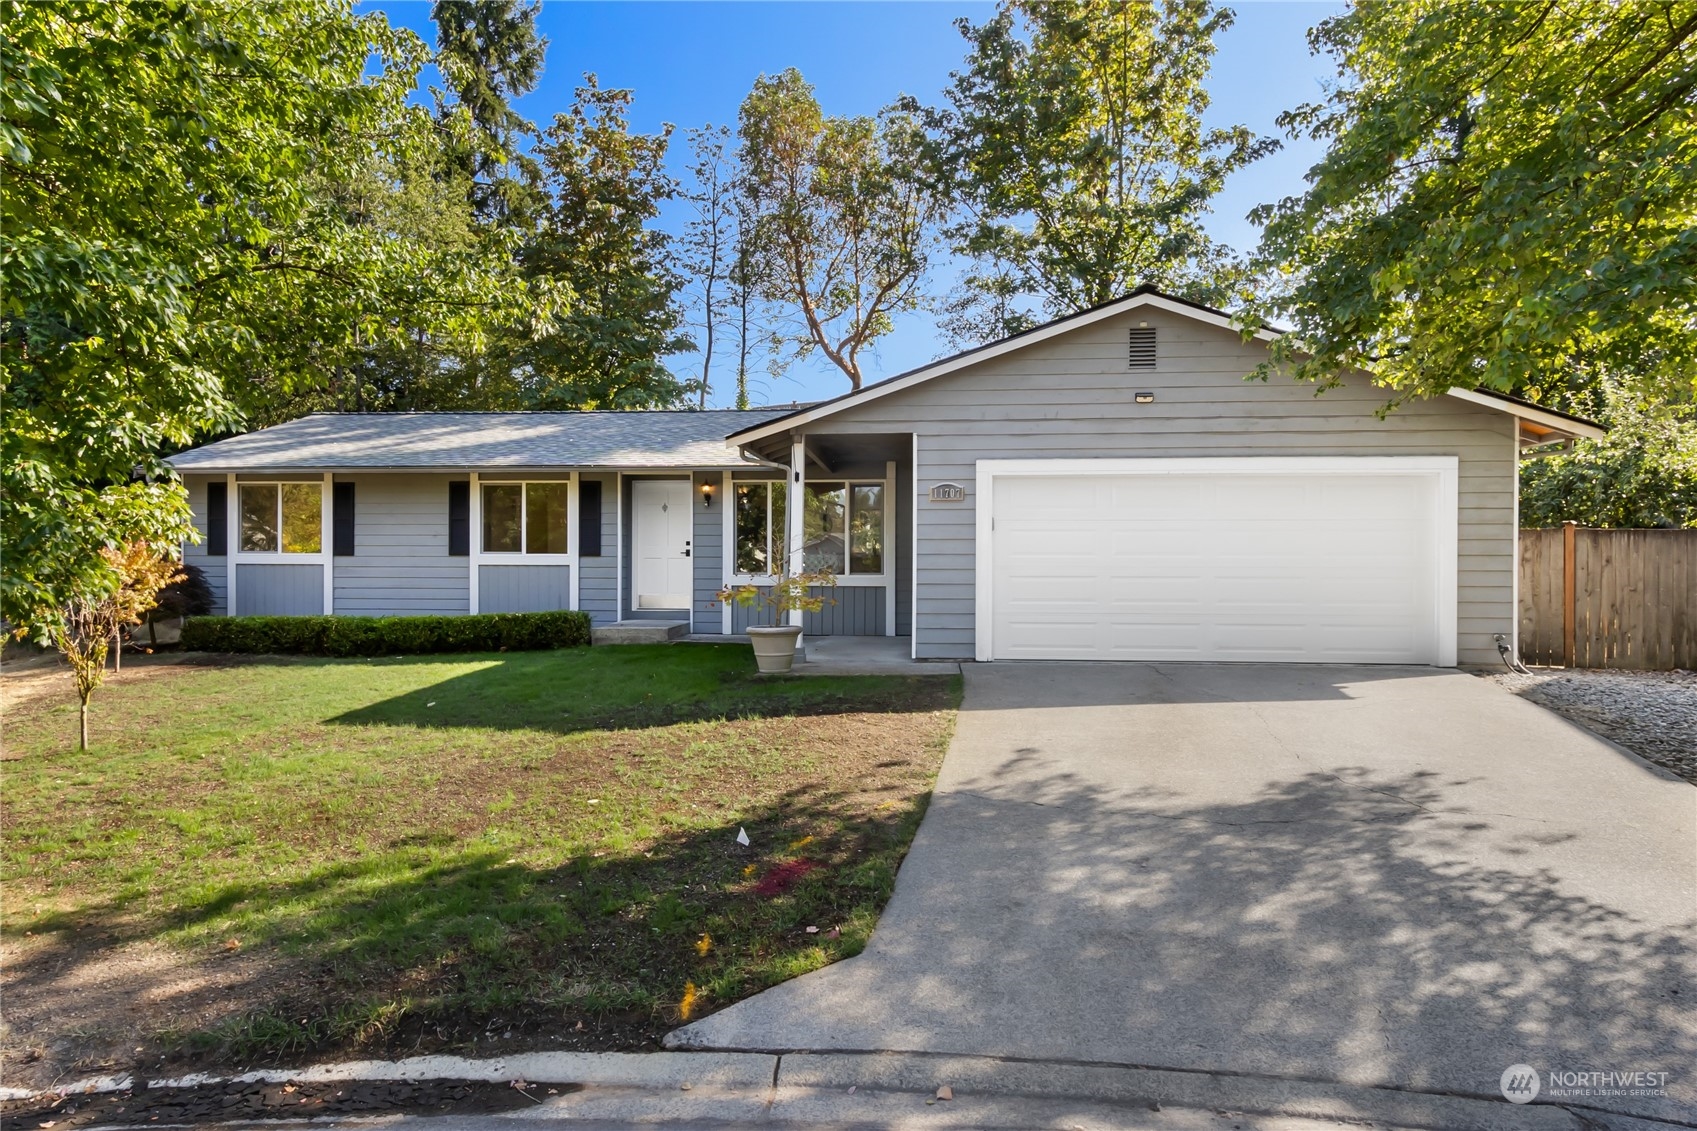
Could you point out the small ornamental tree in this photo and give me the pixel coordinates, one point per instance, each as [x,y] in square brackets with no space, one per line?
[85,629]
[787,592]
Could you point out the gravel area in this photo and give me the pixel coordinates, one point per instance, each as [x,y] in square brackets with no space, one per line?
[1652,714]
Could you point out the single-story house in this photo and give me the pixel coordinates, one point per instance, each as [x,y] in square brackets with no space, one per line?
[1105,486]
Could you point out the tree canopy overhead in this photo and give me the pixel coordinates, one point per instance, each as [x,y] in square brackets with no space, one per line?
[1507,202]
[173,246]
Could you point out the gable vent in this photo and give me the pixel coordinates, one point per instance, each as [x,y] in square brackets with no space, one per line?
[1142,353]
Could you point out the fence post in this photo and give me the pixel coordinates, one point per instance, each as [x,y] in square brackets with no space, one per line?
[1569,585]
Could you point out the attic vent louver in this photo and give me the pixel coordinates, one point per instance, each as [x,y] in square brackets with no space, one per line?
[1142,352]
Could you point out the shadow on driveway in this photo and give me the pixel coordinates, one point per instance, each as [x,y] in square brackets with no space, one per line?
[1397,877]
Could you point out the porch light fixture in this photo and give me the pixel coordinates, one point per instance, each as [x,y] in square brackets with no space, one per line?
[707,494]
[1143,398]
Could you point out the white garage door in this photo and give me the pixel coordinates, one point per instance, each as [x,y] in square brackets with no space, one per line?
[1278,563]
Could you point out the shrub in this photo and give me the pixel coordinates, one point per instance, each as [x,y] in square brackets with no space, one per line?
[387,636]
[190,595]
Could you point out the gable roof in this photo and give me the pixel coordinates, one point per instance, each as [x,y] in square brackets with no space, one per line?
[1551,423]
[444,441]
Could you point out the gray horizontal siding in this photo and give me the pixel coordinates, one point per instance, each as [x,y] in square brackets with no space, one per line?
[708,555]
[1072,397]
[852,611]
[598,583]
[194,553]
[400,565]
[279,590]
[523,588]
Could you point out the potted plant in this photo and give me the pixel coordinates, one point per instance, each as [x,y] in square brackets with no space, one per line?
[774,645]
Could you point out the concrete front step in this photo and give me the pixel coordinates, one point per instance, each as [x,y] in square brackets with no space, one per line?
[640,632]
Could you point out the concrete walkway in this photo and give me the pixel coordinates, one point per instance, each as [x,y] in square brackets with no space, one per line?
[1395,877]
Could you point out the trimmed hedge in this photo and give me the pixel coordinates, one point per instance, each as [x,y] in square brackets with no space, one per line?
[386,636]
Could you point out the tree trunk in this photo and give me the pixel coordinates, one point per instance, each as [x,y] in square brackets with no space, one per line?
[118,651]
[82,725]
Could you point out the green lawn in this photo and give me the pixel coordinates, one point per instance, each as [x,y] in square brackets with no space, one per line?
[436,842]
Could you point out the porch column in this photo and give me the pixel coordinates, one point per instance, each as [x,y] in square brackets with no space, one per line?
[795,536]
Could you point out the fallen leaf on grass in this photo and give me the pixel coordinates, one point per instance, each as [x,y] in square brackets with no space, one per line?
[945,1093]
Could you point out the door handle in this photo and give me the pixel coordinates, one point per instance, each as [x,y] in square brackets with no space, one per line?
[686,553]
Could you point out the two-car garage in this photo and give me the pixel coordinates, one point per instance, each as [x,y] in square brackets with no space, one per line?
[1340,560]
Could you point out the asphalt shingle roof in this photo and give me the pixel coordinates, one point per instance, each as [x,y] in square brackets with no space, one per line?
[472,440]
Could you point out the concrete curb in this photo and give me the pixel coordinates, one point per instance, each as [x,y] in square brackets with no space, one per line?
[594,1069]
[1206,1090]
[752,1082]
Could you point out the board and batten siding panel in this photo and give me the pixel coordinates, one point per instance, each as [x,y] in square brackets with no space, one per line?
[523,588]
[1072,398]
[853,611]
[598,581]
[400,565]
[707,553]
[194,553]
[279,590]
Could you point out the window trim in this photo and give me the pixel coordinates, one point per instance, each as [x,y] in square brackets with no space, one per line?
[884,577]
[510,557]
[292,557]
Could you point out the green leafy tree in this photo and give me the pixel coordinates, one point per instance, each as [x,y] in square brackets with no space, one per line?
[605,186]
[1074,144]
[170,254]
[844,218]
[1642,474]
[490,53]
[1507,197]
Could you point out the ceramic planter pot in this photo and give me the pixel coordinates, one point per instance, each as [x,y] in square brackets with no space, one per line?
[774,648]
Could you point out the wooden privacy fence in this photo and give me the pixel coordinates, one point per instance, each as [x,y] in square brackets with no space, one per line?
[1608,598]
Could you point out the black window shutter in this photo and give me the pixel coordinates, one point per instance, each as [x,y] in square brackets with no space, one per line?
[459,519]
[589,518]
[342,520]
[217,519]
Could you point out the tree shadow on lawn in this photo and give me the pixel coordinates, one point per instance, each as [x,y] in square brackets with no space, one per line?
[574,690]
[425,945]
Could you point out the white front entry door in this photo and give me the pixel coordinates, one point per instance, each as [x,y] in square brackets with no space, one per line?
[1307,565]
[660,547]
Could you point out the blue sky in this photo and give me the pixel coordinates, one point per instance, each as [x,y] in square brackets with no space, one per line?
[691,64]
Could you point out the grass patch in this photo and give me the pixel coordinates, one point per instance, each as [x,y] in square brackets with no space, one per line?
[444,846]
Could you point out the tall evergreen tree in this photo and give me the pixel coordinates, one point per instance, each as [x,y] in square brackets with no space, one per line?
[605,187]
[490,53]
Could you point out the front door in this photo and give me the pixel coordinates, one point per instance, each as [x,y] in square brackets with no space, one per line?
[660,544]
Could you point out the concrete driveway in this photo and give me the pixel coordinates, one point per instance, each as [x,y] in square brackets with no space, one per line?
[1399,877]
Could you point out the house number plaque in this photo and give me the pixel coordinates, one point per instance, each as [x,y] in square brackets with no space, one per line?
[948,493]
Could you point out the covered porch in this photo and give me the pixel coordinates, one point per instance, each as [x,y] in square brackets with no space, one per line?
[855,519]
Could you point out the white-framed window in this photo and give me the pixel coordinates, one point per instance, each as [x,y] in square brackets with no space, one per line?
[842,527]
[759,526]
[525,517]
[280,518]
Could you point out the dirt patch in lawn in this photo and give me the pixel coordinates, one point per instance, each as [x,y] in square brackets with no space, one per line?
[89,1004]
[223,890]
[259,1101]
